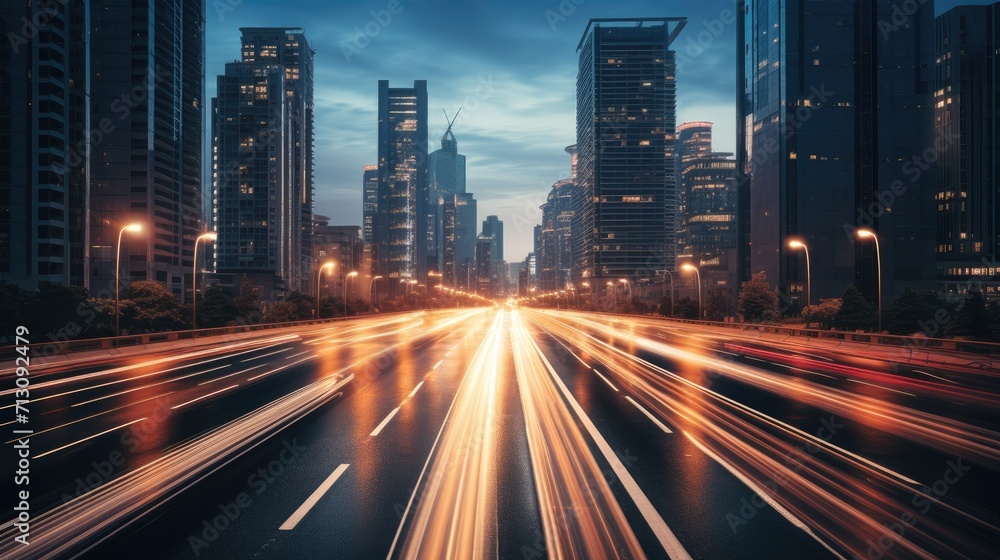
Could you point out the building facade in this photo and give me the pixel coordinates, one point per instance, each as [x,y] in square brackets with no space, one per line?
[624,224]
[262,130]
[967,109]
[147,72]
[399,235]
[44,164]
[345,247]
[832,110]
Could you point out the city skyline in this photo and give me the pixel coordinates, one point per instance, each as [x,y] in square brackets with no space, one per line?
[527,47]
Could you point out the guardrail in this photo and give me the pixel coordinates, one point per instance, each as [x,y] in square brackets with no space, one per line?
[912,342]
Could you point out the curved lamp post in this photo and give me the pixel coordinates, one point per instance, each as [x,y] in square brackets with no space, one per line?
[346,280]
[319,282]
[207,236]
[131,228]
[869,234]
[371,284]
[796,244]
[689,267]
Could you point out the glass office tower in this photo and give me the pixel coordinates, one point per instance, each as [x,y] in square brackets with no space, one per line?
[967,111]
[626,114]
[833,107]
[400,232]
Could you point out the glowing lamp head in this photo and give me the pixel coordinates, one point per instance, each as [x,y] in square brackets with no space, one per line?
[865,233]
[689,267]
[328,264]
[796,244]
[133,228]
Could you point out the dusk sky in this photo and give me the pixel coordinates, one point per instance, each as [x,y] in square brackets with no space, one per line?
[511,65]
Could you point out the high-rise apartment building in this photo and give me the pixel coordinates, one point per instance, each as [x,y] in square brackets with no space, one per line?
[147,82]
[43,145]
[262,130]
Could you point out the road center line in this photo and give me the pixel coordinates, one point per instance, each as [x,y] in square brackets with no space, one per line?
[292,521]
[648,415]
[437,364]
[265,355]
[606,380]
[378,429]
[415,389]
[89,438]
[675,550]
[204,396]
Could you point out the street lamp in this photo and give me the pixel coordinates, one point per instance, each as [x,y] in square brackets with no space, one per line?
[131,228]
[346,280]
[319,282]
[671,276]
[796,244]
[207,236]
[629,286]
[865,234]
[689,267]
[371,284]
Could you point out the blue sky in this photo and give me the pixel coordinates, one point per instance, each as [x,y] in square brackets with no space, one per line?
[512,66]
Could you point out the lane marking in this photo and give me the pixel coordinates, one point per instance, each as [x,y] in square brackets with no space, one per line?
[378,429]
[606,380]
[762,494]
[292,521]
[230,375]
[649,415]
[89,438]
[881,387]
[282,367]
[415,389]
[437,364]
[204,396]
[935,376]
[430,456]
[266,355]
[673,547]
[144,386]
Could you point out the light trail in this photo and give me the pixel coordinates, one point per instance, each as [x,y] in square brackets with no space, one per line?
[580,516]
[456,516]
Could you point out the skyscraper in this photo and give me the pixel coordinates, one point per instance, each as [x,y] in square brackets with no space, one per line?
[493,227]
[147,72]
[43,145]
[967,112]
[446,178]
[262,128]
[369,202]
[624,223]
[400,233]
[458,238]
[554,249]
[707,194]
[832,109]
